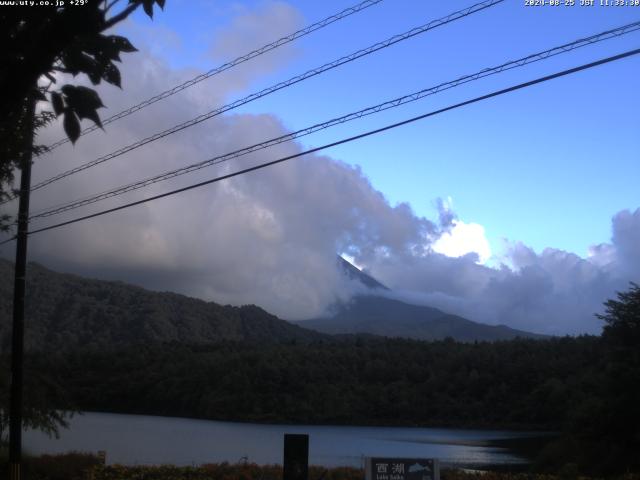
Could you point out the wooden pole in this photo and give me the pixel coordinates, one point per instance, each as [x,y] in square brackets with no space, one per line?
[19,288]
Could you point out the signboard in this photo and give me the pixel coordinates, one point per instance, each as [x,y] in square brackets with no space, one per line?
[402,469]
[296,457]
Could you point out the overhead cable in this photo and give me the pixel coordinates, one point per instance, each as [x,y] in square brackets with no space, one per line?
[396,102]
[226,66]
[279,86]
[340,142]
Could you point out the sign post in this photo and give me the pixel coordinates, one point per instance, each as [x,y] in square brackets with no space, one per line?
[296,457]
[402,469]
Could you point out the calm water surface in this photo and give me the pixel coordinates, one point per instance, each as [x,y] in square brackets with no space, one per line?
[147,440]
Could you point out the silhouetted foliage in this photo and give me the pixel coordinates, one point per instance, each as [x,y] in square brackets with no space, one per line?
[41,391]
[622,318]
[68,466]
[38,43]
[602,432]
[619,415]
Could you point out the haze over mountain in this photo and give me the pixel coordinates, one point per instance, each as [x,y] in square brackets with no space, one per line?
[376,313]
[67,311]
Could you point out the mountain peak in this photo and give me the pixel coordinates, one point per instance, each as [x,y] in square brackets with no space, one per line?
[355,273]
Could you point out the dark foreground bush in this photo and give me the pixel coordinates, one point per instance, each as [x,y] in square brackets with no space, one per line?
[225,471]
[219,471]
[68,466]
[81,466]
[461,475]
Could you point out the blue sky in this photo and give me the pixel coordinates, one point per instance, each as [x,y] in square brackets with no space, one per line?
[548,166]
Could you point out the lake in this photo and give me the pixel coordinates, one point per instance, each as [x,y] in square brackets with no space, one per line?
[148,440]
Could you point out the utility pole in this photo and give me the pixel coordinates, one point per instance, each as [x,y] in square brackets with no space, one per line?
[19,288]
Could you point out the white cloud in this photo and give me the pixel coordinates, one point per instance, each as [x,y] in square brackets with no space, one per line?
[553,292]
[250,30]
[464,238]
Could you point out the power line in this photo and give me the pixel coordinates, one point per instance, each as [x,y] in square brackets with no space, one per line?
[226,66]
[310,73]
[343,119]
[346,140]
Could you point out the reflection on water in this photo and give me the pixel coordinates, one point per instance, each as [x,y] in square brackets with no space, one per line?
[138,439]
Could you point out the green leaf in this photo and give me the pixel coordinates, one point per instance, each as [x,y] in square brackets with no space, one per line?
[122,44]
[84,102]
[91,115]
[111,74]
[81,97]
[71,125]
[94,76]
[101,47]
[148,7]
[57,102]
[78,62]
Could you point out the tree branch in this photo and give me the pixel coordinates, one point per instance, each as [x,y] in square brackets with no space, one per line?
[110,5]
[121,16]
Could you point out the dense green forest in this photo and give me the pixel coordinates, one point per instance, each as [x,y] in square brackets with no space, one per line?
[574,386]
[524,383]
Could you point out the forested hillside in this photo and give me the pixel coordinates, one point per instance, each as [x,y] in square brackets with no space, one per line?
[66,311]
[526,384]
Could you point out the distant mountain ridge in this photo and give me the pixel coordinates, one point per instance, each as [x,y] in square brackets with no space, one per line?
[66,311]
[379,315]
[375,313]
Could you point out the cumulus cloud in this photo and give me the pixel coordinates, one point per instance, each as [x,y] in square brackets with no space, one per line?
[553,292]
[250,30]
[271,237]
[626,239]
[464,238]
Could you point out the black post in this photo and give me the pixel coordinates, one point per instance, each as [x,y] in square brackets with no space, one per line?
[17,345]
[296,457]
